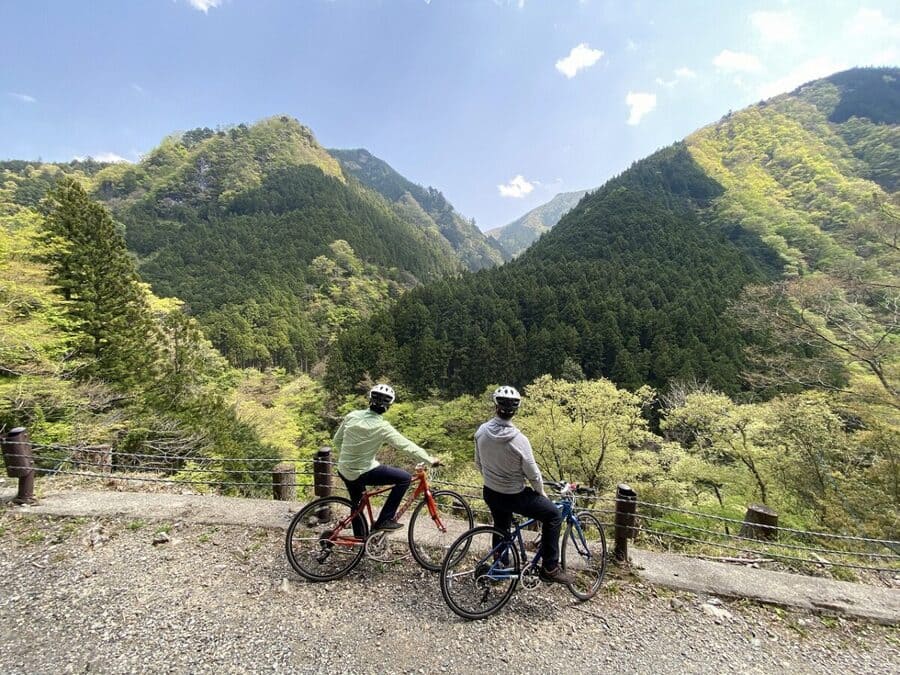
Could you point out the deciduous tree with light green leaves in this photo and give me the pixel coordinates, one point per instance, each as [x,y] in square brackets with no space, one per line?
[722,434]
[584,430]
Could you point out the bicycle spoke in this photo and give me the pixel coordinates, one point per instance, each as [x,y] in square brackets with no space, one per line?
[583,555]
[474,581]
[320,542]
[430,539]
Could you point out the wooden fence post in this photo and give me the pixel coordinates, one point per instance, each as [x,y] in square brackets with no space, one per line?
[626,505]
[19,460]
[284,482]
[322,472]
[760,522]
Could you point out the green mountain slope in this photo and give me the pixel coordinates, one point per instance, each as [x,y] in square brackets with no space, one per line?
[523,232]
[425,206]
[643,281]
[233,221]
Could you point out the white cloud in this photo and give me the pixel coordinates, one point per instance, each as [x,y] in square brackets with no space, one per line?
[138,88]
[872,24]
[102,157]
[25,98]
[640,104]
[810,70]
[518,187]
[631,46]
[681,74]
[205,5]
[736,62]
[775,26]
[581,57]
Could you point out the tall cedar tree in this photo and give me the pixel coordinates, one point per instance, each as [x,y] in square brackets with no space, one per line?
[112,327]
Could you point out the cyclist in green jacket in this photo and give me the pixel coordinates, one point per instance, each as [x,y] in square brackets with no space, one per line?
[358,439]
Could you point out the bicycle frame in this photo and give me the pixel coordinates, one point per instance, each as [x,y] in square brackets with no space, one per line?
[515,538]
[365,506]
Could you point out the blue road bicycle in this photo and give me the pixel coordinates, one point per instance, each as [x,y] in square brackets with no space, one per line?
[483,566]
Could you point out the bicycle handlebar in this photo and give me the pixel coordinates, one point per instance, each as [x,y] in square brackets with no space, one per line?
[564,487]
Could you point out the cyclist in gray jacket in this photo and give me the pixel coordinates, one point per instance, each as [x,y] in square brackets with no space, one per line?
[504,457]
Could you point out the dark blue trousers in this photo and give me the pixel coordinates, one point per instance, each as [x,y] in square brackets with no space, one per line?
[531,505]
[380,475]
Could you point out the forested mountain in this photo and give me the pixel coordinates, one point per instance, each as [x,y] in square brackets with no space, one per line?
[88,354]
[784,212]
[425,206]
[523,232]
[260,232]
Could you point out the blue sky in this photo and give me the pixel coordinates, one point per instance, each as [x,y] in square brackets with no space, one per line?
[499,104]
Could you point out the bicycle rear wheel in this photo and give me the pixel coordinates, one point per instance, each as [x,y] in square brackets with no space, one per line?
[479,577]
[427,543]
[320,543]
[583,555]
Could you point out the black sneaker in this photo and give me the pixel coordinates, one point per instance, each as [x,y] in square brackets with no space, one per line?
[387,525]
[558,576]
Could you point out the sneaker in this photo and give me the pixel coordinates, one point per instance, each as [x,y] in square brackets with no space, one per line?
[387,525]
[557,575]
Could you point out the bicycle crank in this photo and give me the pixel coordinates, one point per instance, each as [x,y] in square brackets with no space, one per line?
[380,547]
[530,577]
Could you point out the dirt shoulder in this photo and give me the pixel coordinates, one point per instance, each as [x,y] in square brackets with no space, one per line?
[95,594]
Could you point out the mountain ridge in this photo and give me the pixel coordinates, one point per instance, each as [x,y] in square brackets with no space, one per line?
[426,205]
[518,235]
[640,281]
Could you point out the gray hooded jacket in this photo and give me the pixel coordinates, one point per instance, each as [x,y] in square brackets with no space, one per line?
[504,457]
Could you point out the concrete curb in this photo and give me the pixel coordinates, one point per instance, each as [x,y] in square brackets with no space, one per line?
[815,594]
[881,605]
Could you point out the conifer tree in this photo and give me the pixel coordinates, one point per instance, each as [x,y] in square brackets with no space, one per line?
[111,322]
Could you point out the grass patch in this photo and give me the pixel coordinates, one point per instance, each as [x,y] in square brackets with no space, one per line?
[34,537]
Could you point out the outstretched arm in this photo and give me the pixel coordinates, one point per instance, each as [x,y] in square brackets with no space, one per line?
[397,440]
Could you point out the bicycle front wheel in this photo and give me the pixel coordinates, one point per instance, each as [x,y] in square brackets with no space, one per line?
[479,576]
[583,555]
[321,544]
[430,535]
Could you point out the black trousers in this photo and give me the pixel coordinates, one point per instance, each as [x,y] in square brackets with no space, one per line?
[380,475]
[531,505]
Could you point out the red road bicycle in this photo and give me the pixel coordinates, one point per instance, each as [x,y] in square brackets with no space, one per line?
[328,537]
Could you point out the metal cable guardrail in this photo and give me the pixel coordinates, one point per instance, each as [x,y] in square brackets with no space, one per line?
[106,476]
[780,556]
[145,467]
[862,554]
[183,458]
[826,535]
[71,460]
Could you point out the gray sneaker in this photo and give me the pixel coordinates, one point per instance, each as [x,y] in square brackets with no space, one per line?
[558,575]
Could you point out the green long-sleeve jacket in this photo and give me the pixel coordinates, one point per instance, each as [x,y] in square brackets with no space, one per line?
[360,436]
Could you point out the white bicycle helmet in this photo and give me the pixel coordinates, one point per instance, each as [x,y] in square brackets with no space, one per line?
[507,400]
[383,391]
[506,392]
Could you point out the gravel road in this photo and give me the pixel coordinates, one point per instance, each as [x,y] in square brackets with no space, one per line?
[100,596]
